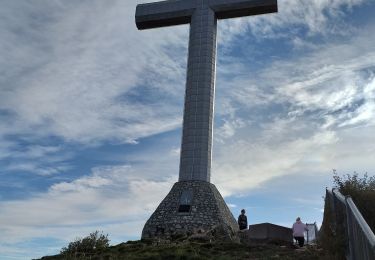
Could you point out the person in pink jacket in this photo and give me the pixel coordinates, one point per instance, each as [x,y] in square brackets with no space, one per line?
[298,231]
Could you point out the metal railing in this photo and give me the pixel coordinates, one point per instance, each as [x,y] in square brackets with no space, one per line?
[348,223]
[311,233]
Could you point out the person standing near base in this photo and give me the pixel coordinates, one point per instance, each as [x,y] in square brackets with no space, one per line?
[242,220]
[299,229]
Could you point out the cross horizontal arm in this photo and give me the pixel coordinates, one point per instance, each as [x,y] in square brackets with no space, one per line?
[165,13]
[236,8]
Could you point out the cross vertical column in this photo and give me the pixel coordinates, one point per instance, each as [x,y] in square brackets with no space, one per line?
[196,145]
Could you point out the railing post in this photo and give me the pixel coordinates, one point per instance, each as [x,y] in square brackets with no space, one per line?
[307,236]
[349,224]
[334,211]
[316,231]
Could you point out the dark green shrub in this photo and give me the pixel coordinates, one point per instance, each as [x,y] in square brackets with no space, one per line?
[86,246]
[362,191]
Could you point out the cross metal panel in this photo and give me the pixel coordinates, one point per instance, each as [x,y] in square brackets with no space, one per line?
[196,145]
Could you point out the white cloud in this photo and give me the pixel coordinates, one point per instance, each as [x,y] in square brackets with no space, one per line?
[93,62]
[323,17]
[228,129]
[38,159]
[109,197]
[332,82]
[90,59]
[366,112]
[243,165]
[175,151]
[81,184]
[91,76]
[37,167]
[324,116]
[37,151]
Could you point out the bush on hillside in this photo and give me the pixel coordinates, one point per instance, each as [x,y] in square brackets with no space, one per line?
[332,235]
[85,246]
[362,191]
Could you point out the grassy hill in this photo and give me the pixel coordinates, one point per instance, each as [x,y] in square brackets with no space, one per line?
[199,250]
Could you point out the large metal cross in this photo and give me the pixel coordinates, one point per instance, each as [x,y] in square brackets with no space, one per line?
[196,146]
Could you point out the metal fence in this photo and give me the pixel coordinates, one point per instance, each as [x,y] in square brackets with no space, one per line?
[312,233]
[348,224]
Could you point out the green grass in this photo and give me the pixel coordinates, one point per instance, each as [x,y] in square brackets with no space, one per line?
[134,250]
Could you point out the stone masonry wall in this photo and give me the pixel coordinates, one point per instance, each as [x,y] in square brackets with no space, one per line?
[208,209]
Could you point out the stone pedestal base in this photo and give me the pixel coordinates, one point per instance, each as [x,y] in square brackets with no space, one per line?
[190,207]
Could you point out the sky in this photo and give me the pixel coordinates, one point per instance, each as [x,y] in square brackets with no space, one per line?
[91,115]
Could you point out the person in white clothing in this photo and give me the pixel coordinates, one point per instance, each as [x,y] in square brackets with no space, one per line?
[298,231]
